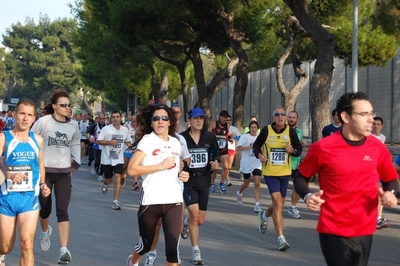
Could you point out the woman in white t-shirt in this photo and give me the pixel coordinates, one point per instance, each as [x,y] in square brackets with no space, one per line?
[157,160]
[249,164]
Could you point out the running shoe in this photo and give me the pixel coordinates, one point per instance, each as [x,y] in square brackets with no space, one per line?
[222,188]
[282,244]
[104,189]
[89,163]
[228,183]
[65,257]
[3,260]
[45,239]
[129,261]
[150,259]
[93,171]
[294,212]
[382,223]
[239,198]
[185,229]
[83,162]
[100,178]
[257,208]
[123,181]
[263,224]
[212,188]
[196,258]
[116,205]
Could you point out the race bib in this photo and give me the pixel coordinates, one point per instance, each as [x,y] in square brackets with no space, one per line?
[278,156]
[198,158]
[221,143]
[26,184]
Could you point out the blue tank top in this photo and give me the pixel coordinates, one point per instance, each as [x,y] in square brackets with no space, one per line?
[22,157]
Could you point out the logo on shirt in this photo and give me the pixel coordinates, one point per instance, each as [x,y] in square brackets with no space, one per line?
[367,158]
[60,139]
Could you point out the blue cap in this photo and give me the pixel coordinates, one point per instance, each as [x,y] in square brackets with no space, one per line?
[196,112]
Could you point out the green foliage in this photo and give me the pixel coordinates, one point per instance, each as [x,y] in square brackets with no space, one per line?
[41,56]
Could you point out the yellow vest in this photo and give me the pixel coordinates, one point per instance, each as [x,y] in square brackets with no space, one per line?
[279,163]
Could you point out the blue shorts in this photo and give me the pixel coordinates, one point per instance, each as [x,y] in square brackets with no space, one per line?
[15,203]
[277,184]
[128,154]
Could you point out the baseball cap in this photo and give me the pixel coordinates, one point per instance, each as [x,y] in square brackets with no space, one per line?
[196,112]
[224,113]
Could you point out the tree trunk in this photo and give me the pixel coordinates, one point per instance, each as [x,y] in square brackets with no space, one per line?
[154,84]
[12,81]
[322,76]
[290,97]
[164,86]
[236,39]
[184,88]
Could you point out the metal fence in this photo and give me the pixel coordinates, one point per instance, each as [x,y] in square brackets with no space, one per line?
[262,96]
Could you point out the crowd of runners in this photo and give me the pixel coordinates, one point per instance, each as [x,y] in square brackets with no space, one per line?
[175,164]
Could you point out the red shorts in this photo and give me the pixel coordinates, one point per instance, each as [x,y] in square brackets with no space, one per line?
[231,152]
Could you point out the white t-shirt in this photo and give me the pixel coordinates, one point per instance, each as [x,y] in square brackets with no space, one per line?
[83,127]
[161,187]
[249,161]
[233,130]
[113,155]
[381,137]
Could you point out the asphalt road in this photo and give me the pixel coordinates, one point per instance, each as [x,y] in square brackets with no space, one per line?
[230,236]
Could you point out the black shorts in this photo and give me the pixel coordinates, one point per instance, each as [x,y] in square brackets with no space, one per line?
[255,172]
[86,141]
[196,195]
[110,170]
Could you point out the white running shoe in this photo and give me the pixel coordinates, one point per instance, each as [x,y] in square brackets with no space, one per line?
[282,244]
[263,224]
[93,171]
[101,179]
[150,259]
[65,257]
[45,239]
[294,212]
[196,258]
[116,205]
[104,189]
[257,208]
[3,260]
[239,198]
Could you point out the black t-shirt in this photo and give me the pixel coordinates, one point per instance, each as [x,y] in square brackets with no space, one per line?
[200,155]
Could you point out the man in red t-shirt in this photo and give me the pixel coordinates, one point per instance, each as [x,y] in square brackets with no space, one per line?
[349,164]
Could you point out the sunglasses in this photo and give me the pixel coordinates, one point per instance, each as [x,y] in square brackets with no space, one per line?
[157,118]
[63,105]
[279,114]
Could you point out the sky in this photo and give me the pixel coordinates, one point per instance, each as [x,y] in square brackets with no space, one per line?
[12,11]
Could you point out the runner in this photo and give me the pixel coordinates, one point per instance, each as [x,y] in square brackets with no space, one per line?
[200,143]
[235,135]
[61,157]
[348,164]
[274,147]
[111,138]
[249,164]
[92,134]
[83,125]
[156,159]
[20,191]
[220,129]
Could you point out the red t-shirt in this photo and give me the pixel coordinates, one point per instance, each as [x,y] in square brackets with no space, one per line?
[349,176]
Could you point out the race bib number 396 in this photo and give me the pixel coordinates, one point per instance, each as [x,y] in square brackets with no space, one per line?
[198,157]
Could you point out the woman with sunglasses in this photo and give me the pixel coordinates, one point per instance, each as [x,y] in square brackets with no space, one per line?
[62,156]
[157,160]
[274,147]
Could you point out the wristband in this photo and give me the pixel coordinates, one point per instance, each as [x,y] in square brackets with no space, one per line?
[305,197]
